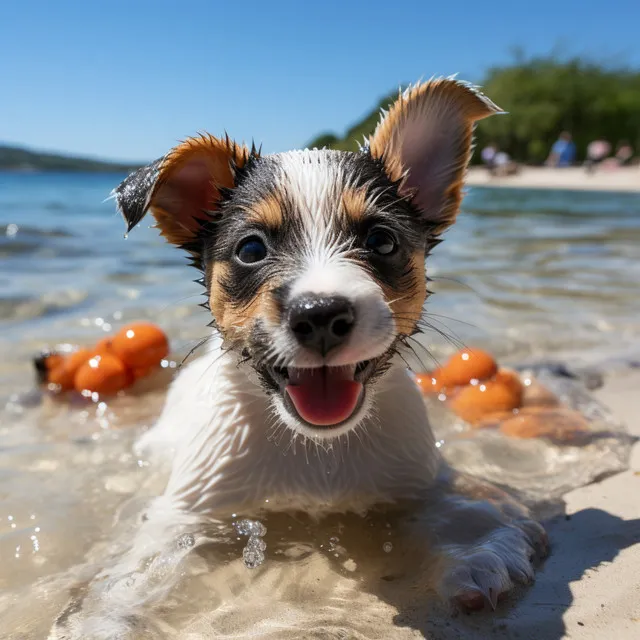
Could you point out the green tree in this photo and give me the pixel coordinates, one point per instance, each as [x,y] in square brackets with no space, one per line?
[543,96]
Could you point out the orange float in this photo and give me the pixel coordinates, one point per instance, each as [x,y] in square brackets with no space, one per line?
[461,368]
[113,364]
[104,346]
[63,375]
[556,423]
[104,374]
[427,382]
[464,366]
[140,345]
[475,403]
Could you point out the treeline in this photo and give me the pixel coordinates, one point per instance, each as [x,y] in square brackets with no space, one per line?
[543,96]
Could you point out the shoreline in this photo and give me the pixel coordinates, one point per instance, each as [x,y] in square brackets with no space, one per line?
[622,180]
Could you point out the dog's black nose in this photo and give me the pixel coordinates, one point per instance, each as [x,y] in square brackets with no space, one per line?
[321,323]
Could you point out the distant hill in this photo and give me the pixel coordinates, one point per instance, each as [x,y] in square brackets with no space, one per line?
[20,159]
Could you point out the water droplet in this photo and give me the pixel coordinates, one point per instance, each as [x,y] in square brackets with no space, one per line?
[387,547]
[256,544]
[252,558]
[250,528]
[185,541]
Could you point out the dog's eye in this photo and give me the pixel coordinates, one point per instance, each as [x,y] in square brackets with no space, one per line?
[381,242]
[251,250]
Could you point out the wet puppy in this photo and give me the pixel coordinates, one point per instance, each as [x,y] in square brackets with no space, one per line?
[314,268]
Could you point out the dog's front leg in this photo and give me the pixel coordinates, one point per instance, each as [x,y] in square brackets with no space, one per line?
[484,541]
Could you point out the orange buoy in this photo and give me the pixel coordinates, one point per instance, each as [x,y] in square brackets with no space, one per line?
[556,423]
[104,374]
[45,363]
[141,345]
[63,375]
[103,346]
[475,402]
[428,382]
[466,365]
[537,395]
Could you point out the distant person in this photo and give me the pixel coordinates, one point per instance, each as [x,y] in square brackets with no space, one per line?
[597,151]
[488,155]
[503,165]
[563,151]
[624,153]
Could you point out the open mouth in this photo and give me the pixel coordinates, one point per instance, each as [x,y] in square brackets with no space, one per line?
[323,396]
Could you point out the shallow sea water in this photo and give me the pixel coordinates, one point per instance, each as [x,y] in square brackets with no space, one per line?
[530,275]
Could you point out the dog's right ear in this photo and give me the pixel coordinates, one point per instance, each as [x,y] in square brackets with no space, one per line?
[424,142]
[182,189]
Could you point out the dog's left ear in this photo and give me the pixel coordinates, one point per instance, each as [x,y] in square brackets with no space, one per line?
[425,143]
[182,189]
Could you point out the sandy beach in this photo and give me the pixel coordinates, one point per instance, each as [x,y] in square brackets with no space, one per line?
[573,178]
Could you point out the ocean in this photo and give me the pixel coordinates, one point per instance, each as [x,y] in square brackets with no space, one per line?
[527,274]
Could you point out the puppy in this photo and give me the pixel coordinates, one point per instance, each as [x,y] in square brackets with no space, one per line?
[314,269]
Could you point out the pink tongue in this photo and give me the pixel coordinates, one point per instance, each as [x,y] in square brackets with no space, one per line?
[324,397]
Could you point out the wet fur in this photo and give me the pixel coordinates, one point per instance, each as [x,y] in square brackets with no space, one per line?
[231,443]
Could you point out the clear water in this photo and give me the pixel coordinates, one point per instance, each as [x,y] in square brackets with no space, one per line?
[528,274]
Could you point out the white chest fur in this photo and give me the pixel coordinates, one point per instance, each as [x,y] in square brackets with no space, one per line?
[230,453]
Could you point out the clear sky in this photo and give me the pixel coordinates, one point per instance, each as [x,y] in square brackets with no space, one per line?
[127,79]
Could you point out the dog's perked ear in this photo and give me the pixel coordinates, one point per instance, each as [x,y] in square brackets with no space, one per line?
[425,143]
[182,189]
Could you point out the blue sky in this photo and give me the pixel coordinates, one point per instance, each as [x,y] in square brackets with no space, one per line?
[128,79]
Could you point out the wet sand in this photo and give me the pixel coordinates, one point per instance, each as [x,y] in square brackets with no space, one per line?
[626,179]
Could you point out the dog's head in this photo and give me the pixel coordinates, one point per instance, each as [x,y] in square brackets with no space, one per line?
[314,261]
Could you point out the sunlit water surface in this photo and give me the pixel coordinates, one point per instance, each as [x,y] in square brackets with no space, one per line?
[530,275]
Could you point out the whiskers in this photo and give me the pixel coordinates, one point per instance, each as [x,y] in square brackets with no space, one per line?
[424,323]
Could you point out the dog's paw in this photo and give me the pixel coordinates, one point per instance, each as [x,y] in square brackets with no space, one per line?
[484,572]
